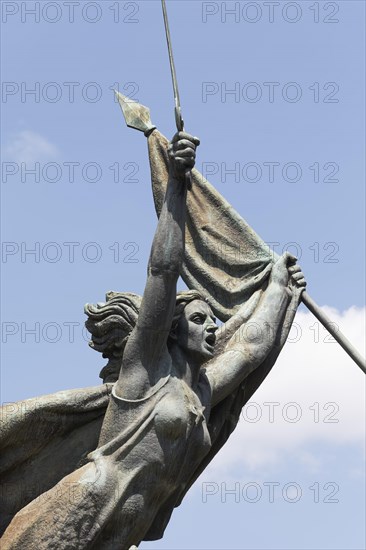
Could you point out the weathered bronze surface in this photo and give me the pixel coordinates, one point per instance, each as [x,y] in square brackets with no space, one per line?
[107,465]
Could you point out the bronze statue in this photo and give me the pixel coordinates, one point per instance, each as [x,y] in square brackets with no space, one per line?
[171,384]
[105,466]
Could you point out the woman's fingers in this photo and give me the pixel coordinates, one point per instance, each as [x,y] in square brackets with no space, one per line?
[182,151]
[183,144]
[185,153]
[299,278]
[184,136]
[184,164]
[289,258]
[294,269]
[286,260]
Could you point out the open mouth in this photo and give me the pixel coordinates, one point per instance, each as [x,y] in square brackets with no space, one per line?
[210,340]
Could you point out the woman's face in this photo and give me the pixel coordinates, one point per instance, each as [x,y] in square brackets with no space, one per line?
[196,330]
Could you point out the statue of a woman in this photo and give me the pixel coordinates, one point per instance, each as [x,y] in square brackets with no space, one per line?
[154,437]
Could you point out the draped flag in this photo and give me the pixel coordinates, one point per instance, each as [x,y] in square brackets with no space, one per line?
[224,258]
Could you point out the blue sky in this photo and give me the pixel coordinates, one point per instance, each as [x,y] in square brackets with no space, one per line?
[277,99]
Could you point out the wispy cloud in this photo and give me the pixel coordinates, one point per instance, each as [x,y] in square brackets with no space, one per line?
[314,382]
[29,147]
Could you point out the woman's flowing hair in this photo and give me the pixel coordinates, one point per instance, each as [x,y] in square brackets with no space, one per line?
[111,323]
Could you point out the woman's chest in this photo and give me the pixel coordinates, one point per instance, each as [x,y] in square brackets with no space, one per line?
[180,417]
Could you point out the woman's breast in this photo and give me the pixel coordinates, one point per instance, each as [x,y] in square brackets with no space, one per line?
[171,418]
[180,422]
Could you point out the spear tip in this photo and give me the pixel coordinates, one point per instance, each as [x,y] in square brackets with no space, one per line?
[136,115]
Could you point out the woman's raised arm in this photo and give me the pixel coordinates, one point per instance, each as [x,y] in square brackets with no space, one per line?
[145,358]
[252,342]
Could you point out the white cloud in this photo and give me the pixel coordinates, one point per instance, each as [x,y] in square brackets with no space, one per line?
[325,385]
[30,147]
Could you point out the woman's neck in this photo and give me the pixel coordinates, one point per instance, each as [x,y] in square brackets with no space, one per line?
[186,368]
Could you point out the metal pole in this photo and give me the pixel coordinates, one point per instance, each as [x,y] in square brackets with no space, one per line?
[178,113]
[337,334]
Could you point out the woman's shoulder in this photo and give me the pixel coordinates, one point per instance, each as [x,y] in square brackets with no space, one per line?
[153,390]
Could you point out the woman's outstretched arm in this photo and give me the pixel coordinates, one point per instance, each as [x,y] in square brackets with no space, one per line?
[253,341]
[145,359]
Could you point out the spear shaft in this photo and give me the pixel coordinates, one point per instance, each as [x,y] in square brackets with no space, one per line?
[177,110]
[178,113]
